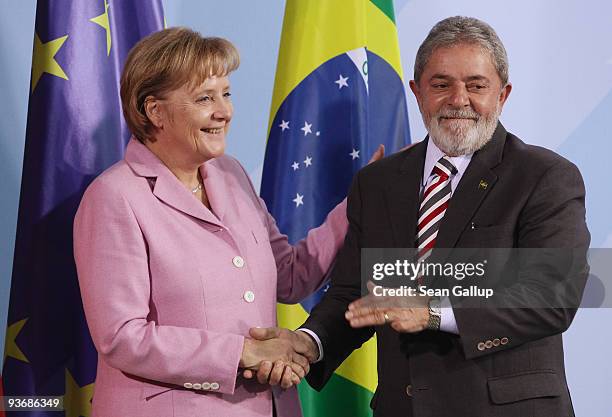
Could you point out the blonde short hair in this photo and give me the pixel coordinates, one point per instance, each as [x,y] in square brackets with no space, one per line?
[167,60]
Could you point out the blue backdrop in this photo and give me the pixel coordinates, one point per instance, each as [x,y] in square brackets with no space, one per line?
[560,65]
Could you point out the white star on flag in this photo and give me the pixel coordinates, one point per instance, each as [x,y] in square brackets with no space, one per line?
[308,161]
[298,200]
[284,125]
[306,128]
[342,82]
[295,165]
[354,154]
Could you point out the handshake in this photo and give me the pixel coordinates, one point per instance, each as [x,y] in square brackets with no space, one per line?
[282,357]
[278,356]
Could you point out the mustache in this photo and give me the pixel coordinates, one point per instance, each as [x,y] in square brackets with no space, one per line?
[458,114]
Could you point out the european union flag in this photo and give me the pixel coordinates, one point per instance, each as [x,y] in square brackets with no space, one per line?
[75,130]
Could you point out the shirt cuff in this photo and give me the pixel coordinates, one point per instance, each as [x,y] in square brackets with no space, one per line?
[448,323]
[317,341]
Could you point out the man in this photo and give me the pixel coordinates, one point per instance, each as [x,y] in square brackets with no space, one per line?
[487,189]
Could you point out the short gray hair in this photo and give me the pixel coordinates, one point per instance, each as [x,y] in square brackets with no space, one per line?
[462,30]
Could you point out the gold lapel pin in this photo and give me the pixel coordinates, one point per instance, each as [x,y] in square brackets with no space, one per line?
[483,185]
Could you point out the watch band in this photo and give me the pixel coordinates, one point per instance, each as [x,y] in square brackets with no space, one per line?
[435,314]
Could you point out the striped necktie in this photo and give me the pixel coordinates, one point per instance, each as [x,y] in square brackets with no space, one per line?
[433,206]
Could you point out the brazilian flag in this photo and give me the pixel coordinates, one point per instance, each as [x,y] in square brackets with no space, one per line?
[338,94]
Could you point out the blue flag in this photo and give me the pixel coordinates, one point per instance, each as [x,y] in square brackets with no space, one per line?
[338,94]
[75,130]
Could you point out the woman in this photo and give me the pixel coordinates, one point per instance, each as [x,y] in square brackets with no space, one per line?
[177,256]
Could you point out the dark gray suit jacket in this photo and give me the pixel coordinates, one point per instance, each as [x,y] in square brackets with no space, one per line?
[533,199]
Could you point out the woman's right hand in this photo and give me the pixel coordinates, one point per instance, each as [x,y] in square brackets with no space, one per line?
[276,358]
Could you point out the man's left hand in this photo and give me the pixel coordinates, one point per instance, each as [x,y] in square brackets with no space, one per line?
[404,320]
[403,314]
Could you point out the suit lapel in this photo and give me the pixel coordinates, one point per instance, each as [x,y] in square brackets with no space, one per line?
[218,188]
[402,195]
[173,193]
[465,201]
[476,183]
[167,187]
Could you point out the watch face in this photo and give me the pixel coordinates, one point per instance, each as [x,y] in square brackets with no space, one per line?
[434,306]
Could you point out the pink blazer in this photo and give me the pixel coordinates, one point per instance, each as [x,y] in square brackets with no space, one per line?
[170,290]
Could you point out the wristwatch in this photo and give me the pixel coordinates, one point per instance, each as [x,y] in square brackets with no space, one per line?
[435,312]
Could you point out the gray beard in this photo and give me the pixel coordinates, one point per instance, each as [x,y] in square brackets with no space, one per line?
[461,138]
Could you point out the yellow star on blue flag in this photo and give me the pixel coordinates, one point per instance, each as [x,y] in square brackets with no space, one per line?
[43,59]
[104,22]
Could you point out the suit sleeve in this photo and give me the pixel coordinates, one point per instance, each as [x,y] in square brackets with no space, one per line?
[327,319]
[113,269]
[550,281]
[303,267]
